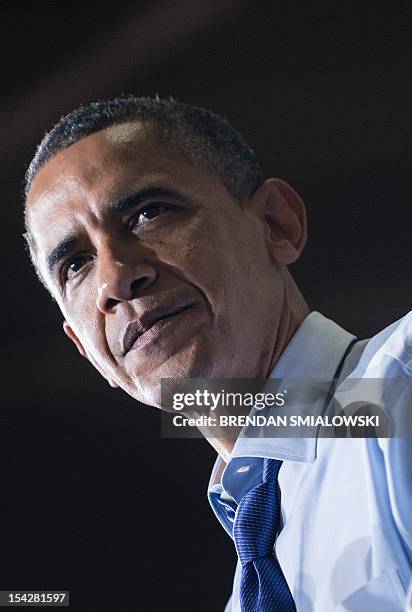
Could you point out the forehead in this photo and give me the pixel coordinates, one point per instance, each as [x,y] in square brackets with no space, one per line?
[108,160]
[107,153]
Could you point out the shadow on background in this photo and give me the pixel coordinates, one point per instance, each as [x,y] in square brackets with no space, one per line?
[93,500]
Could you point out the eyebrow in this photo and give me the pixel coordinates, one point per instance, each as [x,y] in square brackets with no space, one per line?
[119,205]
[64,247]
[129,201]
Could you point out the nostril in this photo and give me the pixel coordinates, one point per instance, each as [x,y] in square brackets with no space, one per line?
[111,303]
[138,284]
[121,283]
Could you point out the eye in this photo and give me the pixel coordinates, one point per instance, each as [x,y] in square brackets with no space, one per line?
[73,266]
[148,213]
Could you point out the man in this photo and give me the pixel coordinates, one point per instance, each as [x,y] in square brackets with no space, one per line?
[151,225]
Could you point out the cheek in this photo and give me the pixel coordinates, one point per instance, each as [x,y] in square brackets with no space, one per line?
[201,259]
[91,326]
[88,324]
[224,268]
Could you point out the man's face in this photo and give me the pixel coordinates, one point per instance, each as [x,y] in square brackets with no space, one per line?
[157,270]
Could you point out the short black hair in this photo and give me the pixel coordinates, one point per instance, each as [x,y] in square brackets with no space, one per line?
[196,133]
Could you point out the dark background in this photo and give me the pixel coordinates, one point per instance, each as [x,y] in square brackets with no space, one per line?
[93,500]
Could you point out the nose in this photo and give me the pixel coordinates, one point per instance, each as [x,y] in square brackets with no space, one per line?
[121,278]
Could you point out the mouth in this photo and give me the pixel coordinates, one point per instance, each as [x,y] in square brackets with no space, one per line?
[147,327]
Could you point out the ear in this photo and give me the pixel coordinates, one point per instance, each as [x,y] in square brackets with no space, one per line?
[284,216]
[74,338]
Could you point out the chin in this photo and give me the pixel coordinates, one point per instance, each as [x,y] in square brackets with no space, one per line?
[147,388]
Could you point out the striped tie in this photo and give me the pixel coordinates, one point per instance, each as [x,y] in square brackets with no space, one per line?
[263,587]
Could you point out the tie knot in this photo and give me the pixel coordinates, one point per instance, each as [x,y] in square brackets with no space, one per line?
[257,517]
[271,469]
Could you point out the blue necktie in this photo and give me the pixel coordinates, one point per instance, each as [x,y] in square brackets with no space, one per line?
[263,587]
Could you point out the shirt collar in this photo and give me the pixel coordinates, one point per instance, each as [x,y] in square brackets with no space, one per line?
[315,351]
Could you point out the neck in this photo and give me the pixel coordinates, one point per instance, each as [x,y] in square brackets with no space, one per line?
[294,310]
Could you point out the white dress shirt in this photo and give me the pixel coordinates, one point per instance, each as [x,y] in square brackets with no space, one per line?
[346,503]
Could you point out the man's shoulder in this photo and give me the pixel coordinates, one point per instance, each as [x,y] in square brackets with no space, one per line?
[384,354]
[400,330]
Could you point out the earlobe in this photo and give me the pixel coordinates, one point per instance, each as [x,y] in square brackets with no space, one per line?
[284,215]
[70,333]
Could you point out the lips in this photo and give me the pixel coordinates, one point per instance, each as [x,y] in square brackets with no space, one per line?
[136,328]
